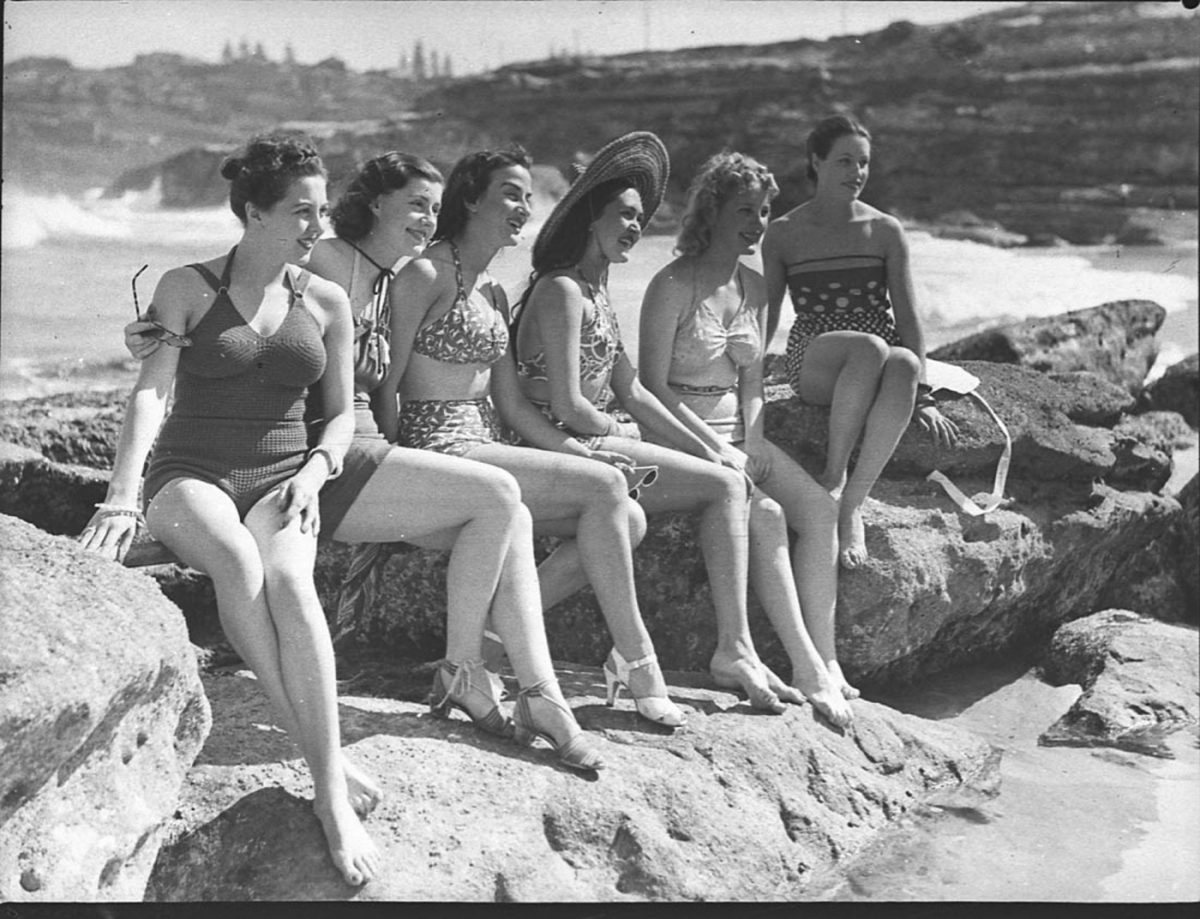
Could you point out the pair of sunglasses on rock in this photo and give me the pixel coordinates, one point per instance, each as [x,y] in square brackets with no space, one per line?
[160,331]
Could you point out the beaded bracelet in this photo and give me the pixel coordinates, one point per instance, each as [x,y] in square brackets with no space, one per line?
[335,465]
[119,510]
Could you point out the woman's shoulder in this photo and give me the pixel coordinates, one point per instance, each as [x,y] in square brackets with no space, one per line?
[330,256]
[558,285]
[881,221]
[322,291]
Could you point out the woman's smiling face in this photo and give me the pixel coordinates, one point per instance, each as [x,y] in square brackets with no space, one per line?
[410,212]
[297,220]
[742,219]
[847,166]
[506,204]
[619,226]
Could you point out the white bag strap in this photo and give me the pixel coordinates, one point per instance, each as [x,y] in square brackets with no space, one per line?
[980,504]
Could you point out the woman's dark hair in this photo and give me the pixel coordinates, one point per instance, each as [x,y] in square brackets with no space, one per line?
[570,240]
[822,138]
[468,181]
[352,217]
[261,172]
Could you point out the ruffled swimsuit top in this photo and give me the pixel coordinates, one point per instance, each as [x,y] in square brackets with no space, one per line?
[599,349]
[464,334]
[708,353]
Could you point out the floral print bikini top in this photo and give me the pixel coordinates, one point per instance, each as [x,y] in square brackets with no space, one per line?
[463,334]
[599,348]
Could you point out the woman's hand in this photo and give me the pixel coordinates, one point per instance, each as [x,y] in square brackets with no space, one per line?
[110,533]
[612,458]
[942,429]
[140,338]
[298,497]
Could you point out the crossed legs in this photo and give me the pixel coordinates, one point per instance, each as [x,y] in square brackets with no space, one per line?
[870,388]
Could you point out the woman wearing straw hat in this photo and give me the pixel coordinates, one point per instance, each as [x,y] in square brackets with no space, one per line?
[572,364]
[701,352]
[453,369]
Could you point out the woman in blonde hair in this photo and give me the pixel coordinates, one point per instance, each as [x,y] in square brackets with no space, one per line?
[701,353]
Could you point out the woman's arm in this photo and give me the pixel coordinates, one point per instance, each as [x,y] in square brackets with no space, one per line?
[526,421]
[109,533]
[298,497]
[900,286]
[656,417]
[662,306]
[413,293]
[775,273]
[557,307]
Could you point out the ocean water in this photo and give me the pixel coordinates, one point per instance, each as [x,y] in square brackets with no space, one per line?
[65,292]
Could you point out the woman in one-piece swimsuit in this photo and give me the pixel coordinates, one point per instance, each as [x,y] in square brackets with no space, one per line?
[856,344]
[701,354]
[452,368]
[572,361]
[232,488]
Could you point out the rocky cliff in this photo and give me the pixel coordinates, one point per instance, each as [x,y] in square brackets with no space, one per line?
[1070,120]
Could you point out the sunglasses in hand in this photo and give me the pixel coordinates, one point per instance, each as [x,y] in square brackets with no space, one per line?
[160,331]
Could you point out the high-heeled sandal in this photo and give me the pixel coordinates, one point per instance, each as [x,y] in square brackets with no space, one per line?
[656,709]
[577,752]
[463,684]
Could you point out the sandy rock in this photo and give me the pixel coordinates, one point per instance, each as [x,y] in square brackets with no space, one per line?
[101,715]
[735,806]
[1140,679]
[1178,390]
[1115,340]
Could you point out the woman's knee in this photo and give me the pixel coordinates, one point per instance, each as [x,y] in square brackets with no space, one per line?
[637,522]
[608,487]
[766,512]
[501,488]
[868,353]
[902,365]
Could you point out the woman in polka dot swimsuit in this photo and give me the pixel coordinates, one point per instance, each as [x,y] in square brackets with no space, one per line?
[856,344]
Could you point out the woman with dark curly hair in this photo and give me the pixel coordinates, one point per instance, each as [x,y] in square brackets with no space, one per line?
[701,352]
[232,485]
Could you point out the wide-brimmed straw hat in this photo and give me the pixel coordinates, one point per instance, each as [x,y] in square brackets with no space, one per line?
[638,156]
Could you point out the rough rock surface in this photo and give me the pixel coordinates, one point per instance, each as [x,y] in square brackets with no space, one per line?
[1140,679]
[101,715]
[1162,577]
[1178,390]
[735,806]
[1114,340]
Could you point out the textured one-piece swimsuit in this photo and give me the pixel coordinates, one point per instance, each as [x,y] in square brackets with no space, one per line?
[599,349]
[851,298]
[463,335]
[238,415]
[707,357]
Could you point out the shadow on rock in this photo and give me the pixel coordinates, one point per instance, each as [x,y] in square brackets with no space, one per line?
[267,846]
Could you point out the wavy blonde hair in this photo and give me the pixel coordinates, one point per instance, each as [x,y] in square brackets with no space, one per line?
[719,179]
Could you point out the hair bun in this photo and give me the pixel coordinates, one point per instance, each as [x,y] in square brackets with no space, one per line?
[232,166]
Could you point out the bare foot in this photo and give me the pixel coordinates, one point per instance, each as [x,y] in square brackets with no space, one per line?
[361,791]
[852,538]
[839,680]
[352,851]
[748,675]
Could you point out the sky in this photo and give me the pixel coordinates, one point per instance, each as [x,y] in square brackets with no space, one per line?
[477,35]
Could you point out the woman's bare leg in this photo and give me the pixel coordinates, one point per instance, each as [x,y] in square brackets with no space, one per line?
[687,483]
[889,417]
[252,566]
[813,514]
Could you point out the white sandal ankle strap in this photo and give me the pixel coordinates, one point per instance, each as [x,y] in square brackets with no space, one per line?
[623,664]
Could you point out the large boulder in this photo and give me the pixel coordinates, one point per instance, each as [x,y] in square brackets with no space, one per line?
[1140,681]
[1115,340]
[1178,390]
[101,715]
[735,806]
